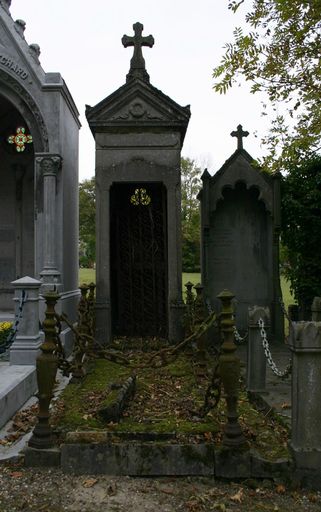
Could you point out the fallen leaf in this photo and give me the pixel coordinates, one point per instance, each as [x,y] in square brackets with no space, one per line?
[167,491]
[238,496]
[280,489]
[90,482]
[208,436]
[16,474]
[313,498]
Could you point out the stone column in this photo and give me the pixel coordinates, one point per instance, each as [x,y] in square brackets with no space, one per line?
[305,444]
[176,306]
[25,347]
[256,360]
[48,167]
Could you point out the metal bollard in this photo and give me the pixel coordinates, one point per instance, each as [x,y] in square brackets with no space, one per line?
[229,367]
[47,365]
[256,360]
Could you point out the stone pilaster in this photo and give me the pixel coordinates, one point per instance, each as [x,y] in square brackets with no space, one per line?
[48,168]
[306,396]
[25,347]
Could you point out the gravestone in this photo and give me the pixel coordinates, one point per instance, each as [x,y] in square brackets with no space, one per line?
[240,209]
[39,171]
[139,133]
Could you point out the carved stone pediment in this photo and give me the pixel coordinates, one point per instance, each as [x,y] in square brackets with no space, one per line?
[239,168]
[137,104]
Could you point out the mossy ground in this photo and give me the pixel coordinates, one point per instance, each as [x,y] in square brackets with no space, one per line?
[167,401]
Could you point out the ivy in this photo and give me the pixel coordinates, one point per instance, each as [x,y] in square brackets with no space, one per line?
[301,230]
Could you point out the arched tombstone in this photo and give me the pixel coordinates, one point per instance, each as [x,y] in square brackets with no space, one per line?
[39,171]
[240,209]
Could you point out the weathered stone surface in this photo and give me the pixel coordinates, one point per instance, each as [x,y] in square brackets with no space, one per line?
[139,132]
[231,463]
[240,210]
[42,458]
[17,384]
[305,443]
[262,468]
[141,459]
[38,224]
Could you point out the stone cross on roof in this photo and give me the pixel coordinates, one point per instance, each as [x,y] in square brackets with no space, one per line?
[137,63]
[239,133]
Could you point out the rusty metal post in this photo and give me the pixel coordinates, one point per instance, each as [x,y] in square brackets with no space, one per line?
[78,370]
[189,308]
[47,365]
[199,317]
[229,367]
[91,308]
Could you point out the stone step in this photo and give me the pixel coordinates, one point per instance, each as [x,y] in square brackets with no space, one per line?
[17,384]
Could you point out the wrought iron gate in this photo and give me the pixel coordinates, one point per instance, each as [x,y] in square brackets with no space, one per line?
[138,254]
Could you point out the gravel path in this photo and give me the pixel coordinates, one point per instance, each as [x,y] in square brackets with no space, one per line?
[30,490]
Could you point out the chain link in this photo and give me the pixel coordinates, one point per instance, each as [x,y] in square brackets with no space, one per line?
[238,338]
[268,354]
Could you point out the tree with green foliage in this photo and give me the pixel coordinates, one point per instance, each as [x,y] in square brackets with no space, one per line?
[280,56]
[301,230]
[191,185]
[87,235]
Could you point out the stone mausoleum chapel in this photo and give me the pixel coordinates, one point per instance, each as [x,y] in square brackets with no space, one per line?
[38,172]
[139,133]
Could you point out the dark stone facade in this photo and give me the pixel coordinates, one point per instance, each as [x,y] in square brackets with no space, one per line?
[240,208]
[139,133]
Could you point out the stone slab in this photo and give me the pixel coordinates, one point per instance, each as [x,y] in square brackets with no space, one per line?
[17,384]
[41,458]
[262,468]
[231,463]
[141,459]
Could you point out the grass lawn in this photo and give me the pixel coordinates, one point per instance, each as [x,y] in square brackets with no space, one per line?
[87,275]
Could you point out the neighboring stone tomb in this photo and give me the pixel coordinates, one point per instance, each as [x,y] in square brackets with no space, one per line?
[139,133]
[240,209]
[39,171]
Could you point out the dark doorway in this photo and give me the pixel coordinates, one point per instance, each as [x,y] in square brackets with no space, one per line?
[16,201]
[138,253]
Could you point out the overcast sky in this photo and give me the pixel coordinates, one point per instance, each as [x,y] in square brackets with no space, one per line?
[82,40]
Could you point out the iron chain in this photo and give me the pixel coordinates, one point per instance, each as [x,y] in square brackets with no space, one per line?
[268,354]
[238,338]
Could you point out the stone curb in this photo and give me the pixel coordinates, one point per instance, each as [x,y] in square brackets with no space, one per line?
[157,459]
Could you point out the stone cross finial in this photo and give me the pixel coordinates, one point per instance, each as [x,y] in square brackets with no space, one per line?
[137,63]
[239,133]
